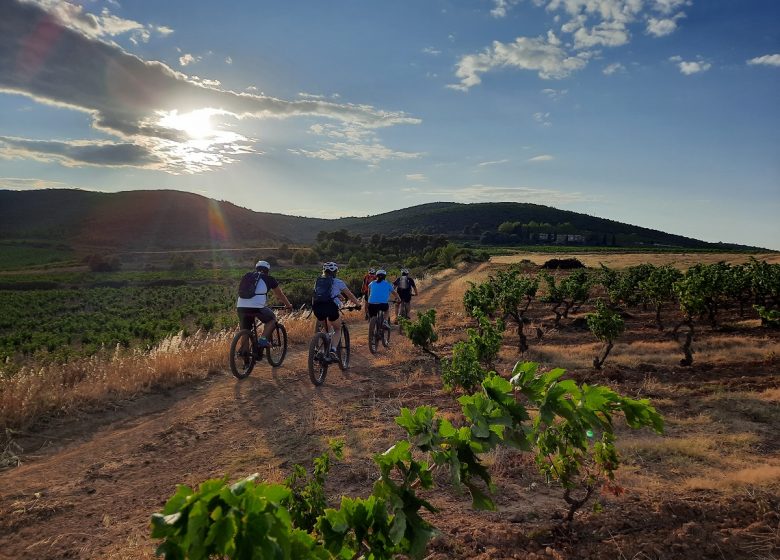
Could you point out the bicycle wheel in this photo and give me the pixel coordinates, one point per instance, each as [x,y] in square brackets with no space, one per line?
[318,360]
[278,350]
[372,336]
[404,309]
[343,348]
[385,335]
[242,359]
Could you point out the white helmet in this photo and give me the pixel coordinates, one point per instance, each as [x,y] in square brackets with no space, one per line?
[331,266]
[263,264]
[404,271]
[381,272]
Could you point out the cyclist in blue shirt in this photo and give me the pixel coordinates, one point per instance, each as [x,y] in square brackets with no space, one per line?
[379,292]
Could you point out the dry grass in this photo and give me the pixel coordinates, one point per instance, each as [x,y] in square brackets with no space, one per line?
[35,392]
[761,475]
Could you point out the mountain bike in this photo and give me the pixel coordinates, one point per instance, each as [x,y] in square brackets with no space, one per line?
[405,308]
[245,353]
[319,348]
[378,329]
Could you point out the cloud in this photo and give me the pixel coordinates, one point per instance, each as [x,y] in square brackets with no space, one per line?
[497,162]
[228,60]
[555,94]
[75,153]
[13,184]
[416,177]
[613,68]
[54,58]
[660,27]
[432,51]
[103,25]
[501,7]
[538,54]
[543,157]
[487,193]
[690,67]
[592,24]
[350,141]
[766,60]
[187,59]
[542,118]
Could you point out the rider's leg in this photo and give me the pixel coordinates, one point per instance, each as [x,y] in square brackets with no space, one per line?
[269,323]
[335,338]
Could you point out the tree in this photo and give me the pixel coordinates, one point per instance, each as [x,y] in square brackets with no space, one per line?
[606,325]
[658,288]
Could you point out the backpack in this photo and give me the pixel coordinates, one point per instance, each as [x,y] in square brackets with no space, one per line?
[322,290]
[248,285]
[403,283]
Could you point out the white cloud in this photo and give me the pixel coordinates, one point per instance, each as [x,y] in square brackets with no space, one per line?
[669,6]
[228,60]
[501,7]
[543,118]
[555,94]
[766,60]
[537,54]
[419,177]
[486,193]
[606,34]
[351,141]
[690,67]
[660,27]
[497,162]
[187,59]
[613,68]
[100,25]
[13,184]
[127,96]
[432,51]
[543,157]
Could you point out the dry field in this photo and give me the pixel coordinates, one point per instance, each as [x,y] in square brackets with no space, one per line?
[97,463]
[622,260]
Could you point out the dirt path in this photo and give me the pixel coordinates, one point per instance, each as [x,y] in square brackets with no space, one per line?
[89,484]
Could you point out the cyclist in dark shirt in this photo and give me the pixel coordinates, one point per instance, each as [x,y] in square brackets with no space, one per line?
[404,286]
[249,308]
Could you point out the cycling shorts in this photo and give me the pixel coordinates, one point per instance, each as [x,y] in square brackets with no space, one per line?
[405,295]
[246,315]
[326,310]
[373,308]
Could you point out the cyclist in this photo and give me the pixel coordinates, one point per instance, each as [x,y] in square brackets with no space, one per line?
[379,292]
[326,302]
[249,308]
[367,279]
[405,285]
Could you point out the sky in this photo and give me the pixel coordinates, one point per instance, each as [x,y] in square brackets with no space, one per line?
[658,113]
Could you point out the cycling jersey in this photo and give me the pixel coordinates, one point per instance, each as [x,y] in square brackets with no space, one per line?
[379,292]
[265,283]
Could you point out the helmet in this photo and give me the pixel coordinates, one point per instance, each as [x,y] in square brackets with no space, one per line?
[381,272]
[263,264]
[330,266]
[404,271]
[372,270]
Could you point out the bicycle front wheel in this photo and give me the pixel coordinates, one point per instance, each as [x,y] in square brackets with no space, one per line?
[343,348]
[318,358]
[372,326]
[242,358]
[277,351]
[385,335]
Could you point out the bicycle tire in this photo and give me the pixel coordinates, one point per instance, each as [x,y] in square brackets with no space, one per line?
[242,357]
[276,353]
[405,309]
[385,335]
[318,365]
[343,349]
[372,342]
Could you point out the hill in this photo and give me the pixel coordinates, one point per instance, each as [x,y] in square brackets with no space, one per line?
[164,219]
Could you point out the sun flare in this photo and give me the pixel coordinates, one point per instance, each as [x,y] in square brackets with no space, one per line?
[196,124]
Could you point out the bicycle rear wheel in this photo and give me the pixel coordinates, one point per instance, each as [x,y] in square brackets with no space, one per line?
[384,333]
[343,348]
[318,358]
[372,336]
[242,358]
[276,353]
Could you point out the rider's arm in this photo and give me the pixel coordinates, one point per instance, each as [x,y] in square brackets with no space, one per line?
[350,296]
[283,298]
[396,297]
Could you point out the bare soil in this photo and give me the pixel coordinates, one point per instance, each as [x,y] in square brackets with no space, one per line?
[88,484]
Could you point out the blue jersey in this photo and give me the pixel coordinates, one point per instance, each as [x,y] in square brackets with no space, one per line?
[379,292]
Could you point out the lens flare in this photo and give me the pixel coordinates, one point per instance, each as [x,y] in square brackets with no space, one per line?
[217,227]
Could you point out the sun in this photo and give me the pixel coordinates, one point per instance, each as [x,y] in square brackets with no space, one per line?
[196,124]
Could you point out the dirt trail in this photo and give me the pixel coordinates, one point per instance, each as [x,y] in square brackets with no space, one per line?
[89,492]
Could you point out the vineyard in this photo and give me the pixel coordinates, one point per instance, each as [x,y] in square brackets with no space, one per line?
[465,439]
